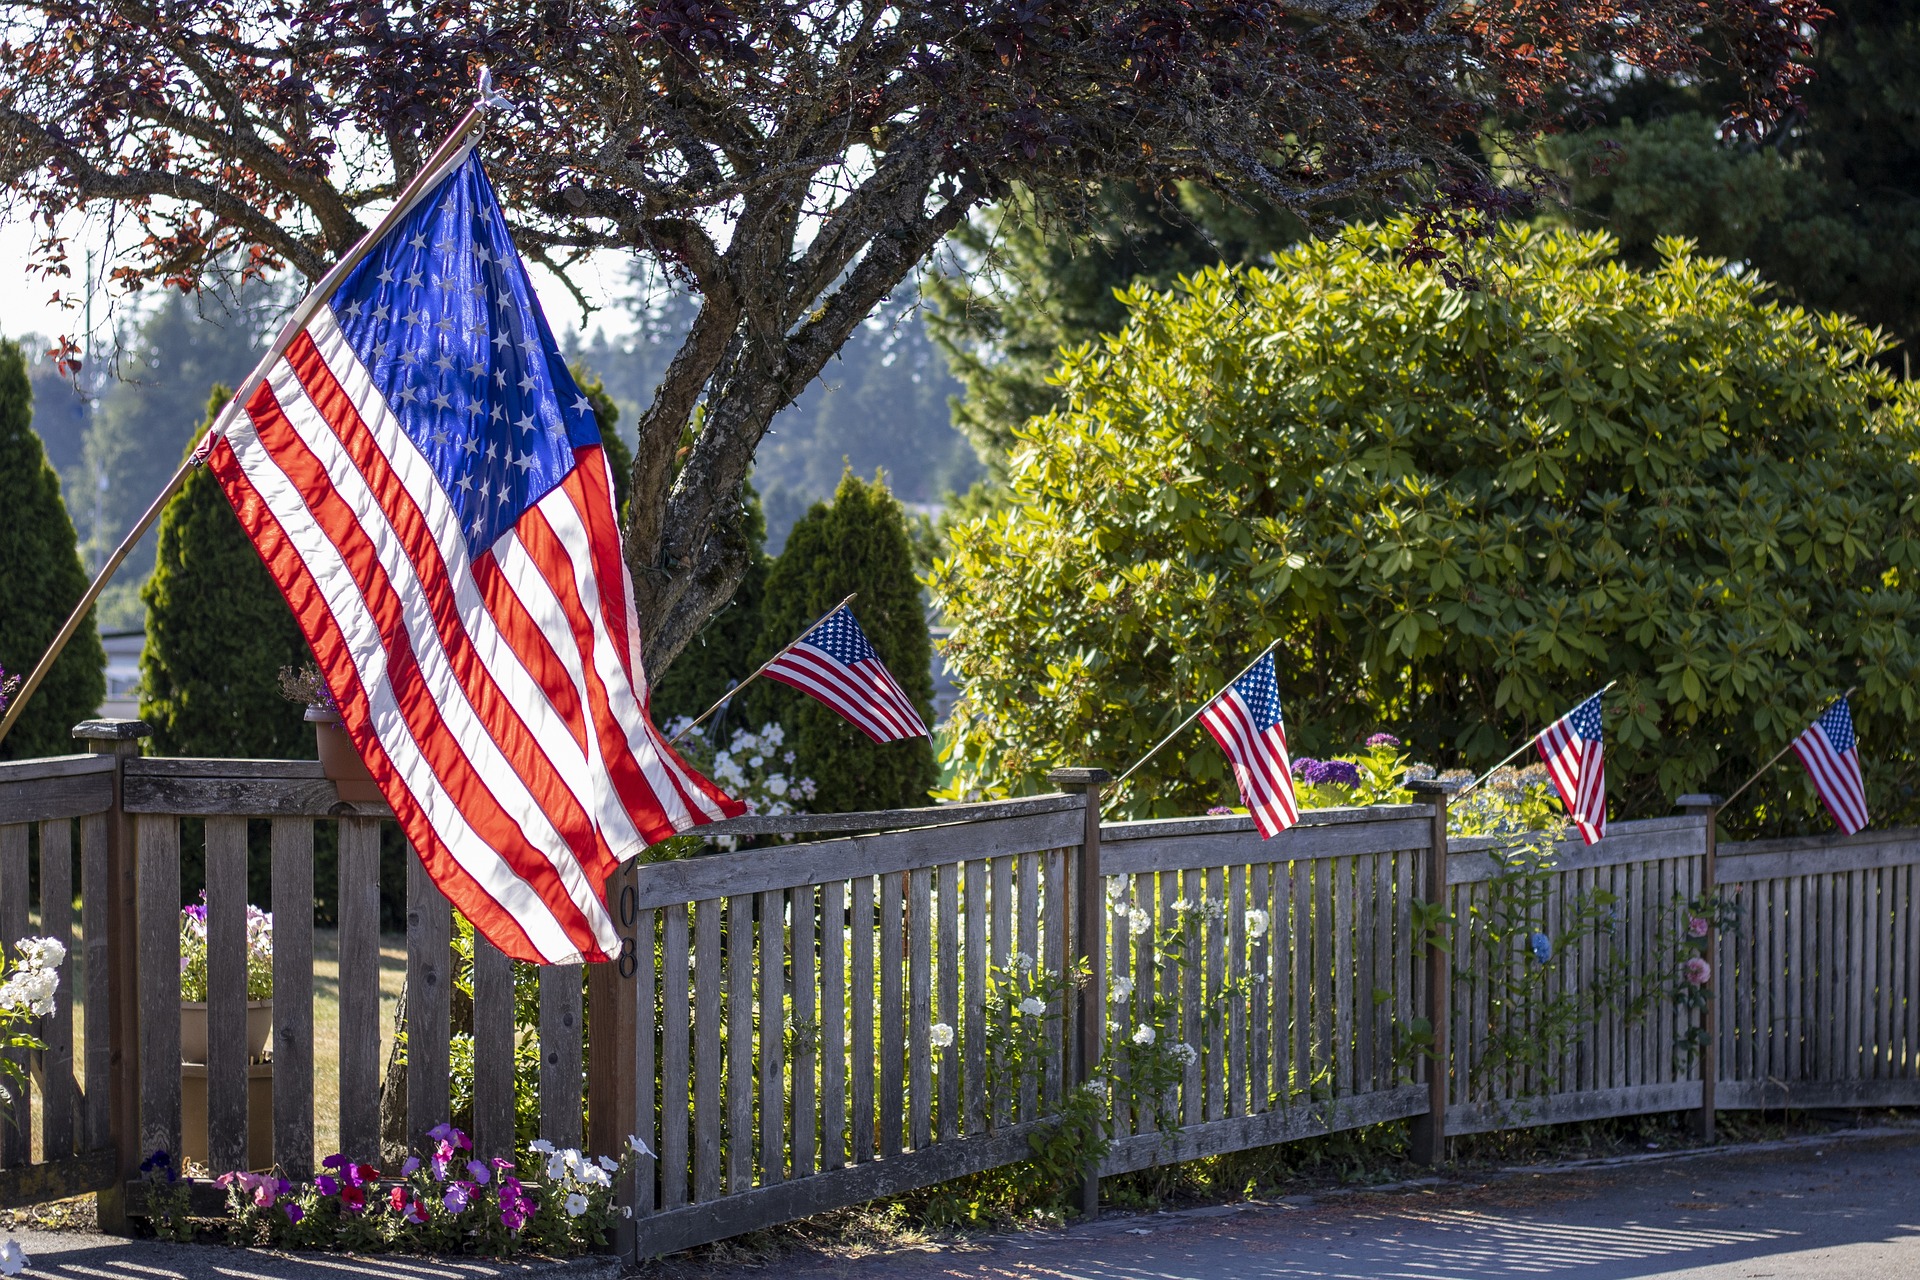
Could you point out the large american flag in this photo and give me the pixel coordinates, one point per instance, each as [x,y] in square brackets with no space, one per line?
[835,663]
[426,484]
[1244,718]
[1573,748]
[1832,756]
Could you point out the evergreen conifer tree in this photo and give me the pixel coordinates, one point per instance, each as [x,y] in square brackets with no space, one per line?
[218,633]
[41,579]
[858,543]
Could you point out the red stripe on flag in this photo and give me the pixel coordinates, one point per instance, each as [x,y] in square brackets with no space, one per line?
[422,715]
[309,606]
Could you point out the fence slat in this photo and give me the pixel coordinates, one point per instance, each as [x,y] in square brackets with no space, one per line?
[893,1119]
[1192,983]
[973,1018]
[677,1025]
[948,941]
[1213,1064]
[707,980]
[157,872]
[861,994]
[645,936]
[16,1134]
[493,1049]
[226,1061]
[1057,949]
[919,945]
[1002,1099]
[429,940]
[96,1128]
[1363,977]
[290,844]
[359,948]
[560,1080]
[1302,977]
[773,1026]
[56,1029]
[1027,908]
[1236,931]
[739,1043]
[806,1019]
[833,1025]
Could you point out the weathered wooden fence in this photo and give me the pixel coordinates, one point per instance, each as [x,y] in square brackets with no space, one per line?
[807,1026]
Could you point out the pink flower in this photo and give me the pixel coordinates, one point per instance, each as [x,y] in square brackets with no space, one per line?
[1697,926]
[1699,972]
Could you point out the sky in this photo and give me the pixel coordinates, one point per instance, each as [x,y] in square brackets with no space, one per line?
[25,305]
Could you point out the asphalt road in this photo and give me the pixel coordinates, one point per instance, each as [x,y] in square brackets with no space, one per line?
[1832,1210]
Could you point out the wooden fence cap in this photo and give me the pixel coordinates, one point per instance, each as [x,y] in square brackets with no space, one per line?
[112,730]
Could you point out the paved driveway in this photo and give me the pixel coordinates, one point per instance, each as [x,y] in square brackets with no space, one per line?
[1838,1209]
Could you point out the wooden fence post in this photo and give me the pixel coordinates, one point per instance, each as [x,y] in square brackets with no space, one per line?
[1430,1130]
[613,1053]
[120,739]
[1088,1031]
[1708,807]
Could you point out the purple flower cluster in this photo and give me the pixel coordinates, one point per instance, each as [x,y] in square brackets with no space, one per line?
[1339,773]
[1383,740]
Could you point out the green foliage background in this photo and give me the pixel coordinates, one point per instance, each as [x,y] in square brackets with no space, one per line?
[1827,207]
[41,579]
[1460,512]
[857,543]
[1055,284]
[218,633]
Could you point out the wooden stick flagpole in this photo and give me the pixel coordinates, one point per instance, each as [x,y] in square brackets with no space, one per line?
[1192,716]
[1781,752]
[695,723]
[1462,792]
[450,152]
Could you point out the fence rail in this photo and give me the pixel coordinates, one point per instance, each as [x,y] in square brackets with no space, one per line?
[824,1022]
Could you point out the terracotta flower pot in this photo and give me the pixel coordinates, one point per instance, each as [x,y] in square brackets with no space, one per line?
[339,761]
[193,1030]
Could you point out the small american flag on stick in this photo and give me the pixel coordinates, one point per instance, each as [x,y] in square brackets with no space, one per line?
[1244,718]
[1831,754]
[1573,748]
[835,663]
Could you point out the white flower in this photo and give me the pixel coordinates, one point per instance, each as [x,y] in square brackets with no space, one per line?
[1182,906]
[1022,962]
[40,953]
[754,762]
[777,784]
[1144,1035]
[541,1145]
[940,1035]
[1256,923]
[576,1205]
[13,1259]
[772,734]
[1097,1086]
[556,1166]
[626,1211]
[609,1163]
[596,1177]
[1137,921]
[1121,990]
[1185,1054]
[639,1148]
[1117,886]
[1033,1005]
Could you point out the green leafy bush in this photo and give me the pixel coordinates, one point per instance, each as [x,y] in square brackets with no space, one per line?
[1459,511]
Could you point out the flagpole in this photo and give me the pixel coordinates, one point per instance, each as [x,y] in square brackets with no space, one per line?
[1517,750]
[691,725]
[1181,727]
[316,297]
[1782,751]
